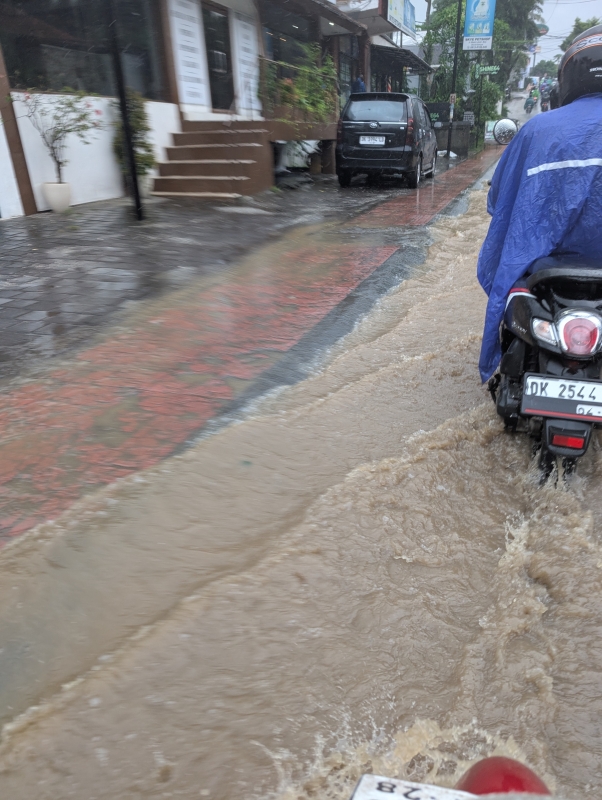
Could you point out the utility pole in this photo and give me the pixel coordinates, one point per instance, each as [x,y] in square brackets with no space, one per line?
[454,76]
[111,14]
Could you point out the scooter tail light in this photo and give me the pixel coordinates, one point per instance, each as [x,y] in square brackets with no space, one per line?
[544,330]
[580,333]
[571,442]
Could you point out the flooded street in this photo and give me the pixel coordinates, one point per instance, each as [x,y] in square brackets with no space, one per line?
[359,573]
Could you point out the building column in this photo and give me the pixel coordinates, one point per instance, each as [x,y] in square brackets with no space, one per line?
[168,54]
[15,145]
[364,58]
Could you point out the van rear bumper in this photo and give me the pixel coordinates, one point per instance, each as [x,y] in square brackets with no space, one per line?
[354,160]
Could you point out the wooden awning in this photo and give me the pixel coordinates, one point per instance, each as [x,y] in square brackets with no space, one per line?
[387,57]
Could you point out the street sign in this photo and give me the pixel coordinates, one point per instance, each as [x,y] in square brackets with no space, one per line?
[478,28]
[491,69]
[542,29]
[452,99]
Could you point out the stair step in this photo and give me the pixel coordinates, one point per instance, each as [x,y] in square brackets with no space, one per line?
[194,152]
[189,126]
[219,137]
[208,195]
[201,183]
[209,166]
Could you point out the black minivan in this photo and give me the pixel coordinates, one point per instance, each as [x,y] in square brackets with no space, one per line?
[384,133]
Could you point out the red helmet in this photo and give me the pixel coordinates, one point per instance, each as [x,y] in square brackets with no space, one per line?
[580,70]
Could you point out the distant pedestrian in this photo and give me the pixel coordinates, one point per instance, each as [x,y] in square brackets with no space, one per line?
[358,85]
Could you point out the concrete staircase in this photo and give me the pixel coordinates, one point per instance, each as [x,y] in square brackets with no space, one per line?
[217,161]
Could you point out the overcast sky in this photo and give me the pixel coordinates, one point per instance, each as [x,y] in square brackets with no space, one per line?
[558,14]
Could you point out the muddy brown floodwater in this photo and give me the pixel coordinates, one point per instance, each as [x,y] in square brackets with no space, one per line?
[360,575]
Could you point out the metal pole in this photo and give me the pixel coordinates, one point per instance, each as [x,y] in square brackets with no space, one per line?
[480,103]
[127,128]
[454,75]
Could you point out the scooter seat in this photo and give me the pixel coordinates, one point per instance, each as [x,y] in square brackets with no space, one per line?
[564,268]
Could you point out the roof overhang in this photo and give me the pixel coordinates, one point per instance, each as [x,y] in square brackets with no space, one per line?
[333,21]
[400,57]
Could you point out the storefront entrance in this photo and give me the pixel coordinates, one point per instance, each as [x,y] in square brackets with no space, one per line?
[219,56]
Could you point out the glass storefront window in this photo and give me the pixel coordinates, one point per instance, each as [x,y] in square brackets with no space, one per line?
[54,44]
[219,56]
[284,34]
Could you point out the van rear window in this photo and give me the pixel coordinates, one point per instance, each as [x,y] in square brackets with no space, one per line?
[376,111]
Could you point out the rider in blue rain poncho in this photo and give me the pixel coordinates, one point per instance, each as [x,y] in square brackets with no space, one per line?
[546,194]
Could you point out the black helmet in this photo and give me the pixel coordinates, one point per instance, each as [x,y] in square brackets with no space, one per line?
[580,70]
[554,101]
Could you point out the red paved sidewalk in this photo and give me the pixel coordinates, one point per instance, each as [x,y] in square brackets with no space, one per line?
[129,401]
[433,196]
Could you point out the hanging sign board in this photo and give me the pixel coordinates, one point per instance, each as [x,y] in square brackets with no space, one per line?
[402,14]
[478,28]
[488,70]
[189,52]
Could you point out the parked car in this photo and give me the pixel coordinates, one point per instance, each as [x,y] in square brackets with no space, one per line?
[385,133]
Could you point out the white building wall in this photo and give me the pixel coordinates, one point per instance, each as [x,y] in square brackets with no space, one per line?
[10,199]
[164,120]
[92,171]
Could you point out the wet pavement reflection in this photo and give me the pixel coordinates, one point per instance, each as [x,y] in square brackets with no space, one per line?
[170,366]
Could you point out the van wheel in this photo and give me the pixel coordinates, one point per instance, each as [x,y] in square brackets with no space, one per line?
[415,175]
[344,179]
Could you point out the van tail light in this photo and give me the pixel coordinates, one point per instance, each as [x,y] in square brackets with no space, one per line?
[410,131]
[580,333]
[572,442]
[340,132]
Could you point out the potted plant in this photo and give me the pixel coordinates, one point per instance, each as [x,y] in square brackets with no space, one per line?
[55,117]
[143,150]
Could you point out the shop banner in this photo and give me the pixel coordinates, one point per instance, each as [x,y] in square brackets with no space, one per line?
[402,14]
[478,28]
[190,59]
[246,54]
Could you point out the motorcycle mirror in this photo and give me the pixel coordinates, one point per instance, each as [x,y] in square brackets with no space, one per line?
[505,130]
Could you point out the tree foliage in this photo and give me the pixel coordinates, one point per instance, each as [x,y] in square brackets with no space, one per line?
[549,66]
[579,26]
[56,117]
[144,155]
[514,30]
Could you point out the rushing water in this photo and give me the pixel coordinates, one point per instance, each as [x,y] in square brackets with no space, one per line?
[362,575]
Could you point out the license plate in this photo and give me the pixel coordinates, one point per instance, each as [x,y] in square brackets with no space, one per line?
[561,397]
[373,787]
[380,140]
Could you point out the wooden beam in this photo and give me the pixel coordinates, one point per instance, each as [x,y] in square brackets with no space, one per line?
[168,54]
[15,145]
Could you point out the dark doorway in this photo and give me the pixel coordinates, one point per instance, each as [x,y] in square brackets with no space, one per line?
[219,56]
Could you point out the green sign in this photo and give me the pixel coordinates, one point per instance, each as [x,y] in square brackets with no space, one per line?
[479,70]
[543,29]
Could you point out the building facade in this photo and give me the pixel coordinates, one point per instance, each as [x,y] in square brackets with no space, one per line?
[233,72]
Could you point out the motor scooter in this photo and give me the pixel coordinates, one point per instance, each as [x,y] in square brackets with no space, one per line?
[549,382]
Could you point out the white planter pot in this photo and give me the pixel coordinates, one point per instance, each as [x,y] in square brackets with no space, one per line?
[57,195]
[145,185]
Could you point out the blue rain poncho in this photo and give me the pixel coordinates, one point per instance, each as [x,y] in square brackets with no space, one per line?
[545,199]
